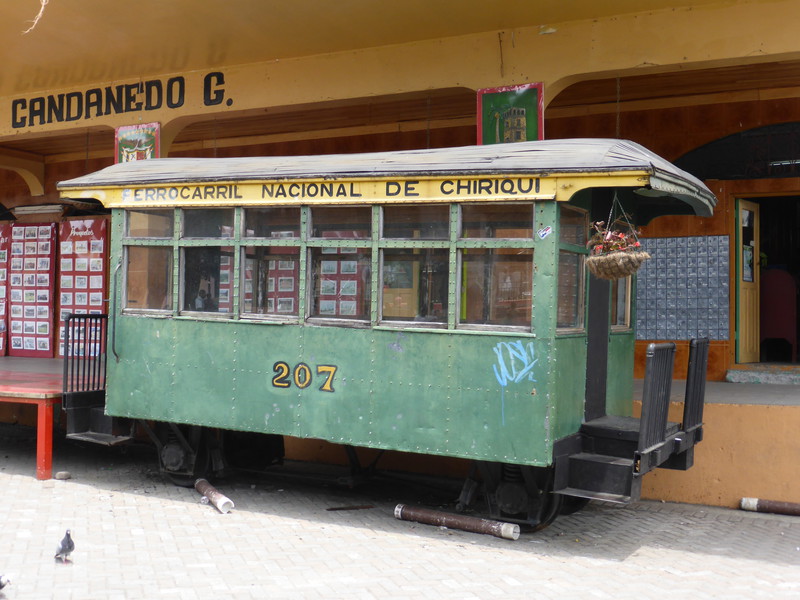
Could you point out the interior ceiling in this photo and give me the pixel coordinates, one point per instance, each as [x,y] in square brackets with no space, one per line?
[736,78]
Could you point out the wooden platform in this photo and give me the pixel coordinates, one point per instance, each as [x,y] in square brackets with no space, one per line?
[35,381]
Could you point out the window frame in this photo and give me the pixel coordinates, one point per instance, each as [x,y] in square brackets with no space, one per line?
[627,312]
[455,245]
[582,252]
[494,243]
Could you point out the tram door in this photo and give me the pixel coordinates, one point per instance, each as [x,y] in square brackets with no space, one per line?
[747,283]
[597,339]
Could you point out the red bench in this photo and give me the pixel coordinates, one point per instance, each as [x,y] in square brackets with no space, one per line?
[41,389]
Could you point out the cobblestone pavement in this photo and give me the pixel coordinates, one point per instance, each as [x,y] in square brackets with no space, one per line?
[138,536]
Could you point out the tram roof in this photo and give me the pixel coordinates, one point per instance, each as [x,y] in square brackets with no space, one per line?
[545,158]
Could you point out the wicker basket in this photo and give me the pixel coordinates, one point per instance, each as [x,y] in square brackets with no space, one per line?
[616,265]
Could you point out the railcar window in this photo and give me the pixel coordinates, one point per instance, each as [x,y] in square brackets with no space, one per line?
[271,281]
[496,281]
[341,268]
[497,221]
[415,283]
[208,223]
[573,226]
[148,278]
[620,303]
[208,279]
[570,276]
[416,222]
[149,223]
[344,223]
[341,282]
[255,262]
[278,222]
[496,286]
[572,237]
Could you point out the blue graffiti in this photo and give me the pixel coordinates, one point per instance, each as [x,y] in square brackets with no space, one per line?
[515,362]
[397,346]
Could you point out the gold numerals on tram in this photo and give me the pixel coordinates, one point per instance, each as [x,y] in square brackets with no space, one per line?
[301,376]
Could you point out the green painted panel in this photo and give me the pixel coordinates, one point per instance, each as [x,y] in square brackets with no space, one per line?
[619,388]
[467,395]
[570,384]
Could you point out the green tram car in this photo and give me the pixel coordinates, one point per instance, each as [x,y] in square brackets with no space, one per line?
[432,301]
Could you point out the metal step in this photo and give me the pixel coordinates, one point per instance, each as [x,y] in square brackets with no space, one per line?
[602,477]
[105,439]
[605,496]
[622,428]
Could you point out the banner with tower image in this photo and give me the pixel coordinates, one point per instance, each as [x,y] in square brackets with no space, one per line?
[513,113]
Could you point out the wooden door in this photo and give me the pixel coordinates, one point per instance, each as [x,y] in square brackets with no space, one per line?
[748,282]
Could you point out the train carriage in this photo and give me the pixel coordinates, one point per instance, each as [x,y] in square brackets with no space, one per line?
[431,301]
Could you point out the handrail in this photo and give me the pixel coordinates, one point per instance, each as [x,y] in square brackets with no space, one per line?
[695,385]
[84,353]
[112,310]
[656,395]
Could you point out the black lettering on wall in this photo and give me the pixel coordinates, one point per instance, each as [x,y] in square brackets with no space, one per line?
[94,101]
[55,108]
[176,88]
[18,120]
[132,103]
[153,95]
[213,93]
[36,110]
[114,100]
[74,106]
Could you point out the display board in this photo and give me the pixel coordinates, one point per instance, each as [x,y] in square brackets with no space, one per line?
[5,251]
[83,270]
[225,299]
[30,289]
[341,289]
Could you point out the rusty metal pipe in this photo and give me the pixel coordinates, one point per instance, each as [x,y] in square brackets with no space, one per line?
[507,531]
[771,506]
[222,503]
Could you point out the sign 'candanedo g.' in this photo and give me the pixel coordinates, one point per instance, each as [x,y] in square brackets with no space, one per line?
[136,97]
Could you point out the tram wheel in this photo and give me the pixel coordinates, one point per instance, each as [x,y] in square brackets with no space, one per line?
[184,454]
[521,494]
[572,504]
[201,469]
[551,508]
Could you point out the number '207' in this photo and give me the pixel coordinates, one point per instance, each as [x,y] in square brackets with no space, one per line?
[301,376]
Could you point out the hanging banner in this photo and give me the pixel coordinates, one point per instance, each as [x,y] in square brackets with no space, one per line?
[30,289]
[513,113]
[5,249]
[83,270]
[137,142]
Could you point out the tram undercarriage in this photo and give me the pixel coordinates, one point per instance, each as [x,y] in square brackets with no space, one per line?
[605,460]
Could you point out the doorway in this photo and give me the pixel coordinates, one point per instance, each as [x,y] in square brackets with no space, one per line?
[768,235]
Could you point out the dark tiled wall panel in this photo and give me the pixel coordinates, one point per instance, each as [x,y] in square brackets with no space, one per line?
[683,291]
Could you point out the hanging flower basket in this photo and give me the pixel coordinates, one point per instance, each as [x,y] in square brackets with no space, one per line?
[617,264]
[614,254]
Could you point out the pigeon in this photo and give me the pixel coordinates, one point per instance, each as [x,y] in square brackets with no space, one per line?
[4,581]
[65,547]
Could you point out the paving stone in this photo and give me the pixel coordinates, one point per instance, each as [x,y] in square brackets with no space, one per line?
[138,536]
